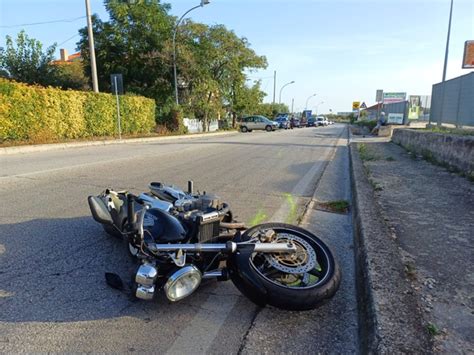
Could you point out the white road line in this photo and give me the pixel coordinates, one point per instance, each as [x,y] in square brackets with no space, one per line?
[200,333]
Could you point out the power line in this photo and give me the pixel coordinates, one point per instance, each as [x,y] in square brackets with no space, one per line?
[44,23]
[60,44]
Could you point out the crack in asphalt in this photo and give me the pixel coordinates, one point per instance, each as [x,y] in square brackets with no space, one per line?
[251,326]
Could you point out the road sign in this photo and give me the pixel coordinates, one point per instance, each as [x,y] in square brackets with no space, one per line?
[392,97]
[363,106]
[355,105]
[379,95]
[117,89]
[116,81]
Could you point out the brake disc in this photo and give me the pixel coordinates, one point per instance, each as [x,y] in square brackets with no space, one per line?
[299,262]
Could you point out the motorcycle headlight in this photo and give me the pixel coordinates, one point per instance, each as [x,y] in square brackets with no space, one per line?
[182,283]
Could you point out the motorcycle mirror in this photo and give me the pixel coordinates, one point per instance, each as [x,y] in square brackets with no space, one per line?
[99,210]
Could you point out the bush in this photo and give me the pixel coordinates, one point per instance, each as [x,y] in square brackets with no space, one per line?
[364,123]
[173,120]
[36,114]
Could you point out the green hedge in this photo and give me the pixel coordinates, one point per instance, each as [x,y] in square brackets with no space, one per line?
[33,113]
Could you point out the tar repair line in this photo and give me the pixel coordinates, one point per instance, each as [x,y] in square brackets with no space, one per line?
[200,333]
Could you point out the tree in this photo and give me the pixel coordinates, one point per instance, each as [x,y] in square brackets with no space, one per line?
[217,55]
[271,110]
[134,43]
[247,100]
[25,61]
[71,75]
[137,42]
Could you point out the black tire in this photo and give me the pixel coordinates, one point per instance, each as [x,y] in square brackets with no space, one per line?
[244,129]
[268,128]
[288,297]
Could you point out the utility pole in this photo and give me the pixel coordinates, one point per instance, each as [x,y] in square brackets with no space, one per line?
[274,85]
[292,103]
[440,118]
[95,85]
[447,43]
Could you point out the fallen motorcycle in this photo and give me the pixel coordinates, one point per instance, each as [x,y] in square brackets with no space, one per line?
[179,238]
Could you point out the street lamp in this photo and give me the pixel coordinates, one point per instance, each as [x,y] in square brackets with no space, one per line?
[306,106]
[203,2]
[291,82]
[322,102]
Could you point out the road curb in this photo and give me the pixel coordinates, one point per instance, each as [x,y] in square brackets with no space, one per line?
[389,317]
[59,146]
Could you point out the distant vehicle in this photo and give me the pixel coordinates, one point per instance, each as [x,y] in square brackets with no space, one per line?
[283,122]
[311,122]
[321,121]
[282,115]
[248,124]
[295,122]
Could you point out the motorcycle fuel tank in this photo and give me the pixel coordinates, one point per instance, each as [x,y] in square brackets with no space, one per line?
[163,227]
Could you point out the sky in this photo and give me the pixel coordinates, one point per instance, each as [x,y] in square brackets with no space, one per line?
[341,50]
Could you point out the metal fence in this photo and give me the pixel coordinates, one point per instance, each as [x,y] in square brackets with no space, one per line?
[400,108]
[453,101]
[196,126]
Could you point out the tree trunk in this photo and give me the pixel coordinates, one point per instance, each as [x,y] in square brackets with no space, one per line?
[205,125]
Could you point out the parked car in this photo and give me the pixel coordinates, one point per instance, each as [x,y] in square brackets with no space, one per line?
[295,122]
[311,122]
[283,122]
[282,115]
[321,121]
[249,123]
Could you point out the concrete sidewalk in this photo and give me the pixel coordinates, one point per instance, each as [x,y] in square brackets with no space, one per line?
[58,146]
[425,219]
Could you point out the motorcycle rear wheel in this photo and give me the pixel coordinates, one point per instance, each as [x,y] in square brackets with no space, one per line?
[301,281]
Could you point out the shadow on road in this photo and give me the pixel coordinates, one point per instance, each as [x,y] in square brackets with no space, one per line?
[52,270]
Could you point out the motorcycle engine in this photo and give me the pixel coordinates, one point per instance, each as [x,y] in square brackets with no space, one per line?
[202,211]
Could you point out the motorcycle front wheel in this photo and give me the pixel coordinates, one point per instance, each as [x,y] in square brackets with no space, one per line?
[302,280]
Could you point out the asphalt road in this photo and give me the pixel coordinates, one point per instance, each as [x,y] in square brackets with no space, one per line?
[53,256]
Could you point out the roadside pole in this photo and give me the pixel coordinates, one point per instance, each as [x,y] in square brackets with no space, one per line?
[274,85]
[117,85]
[118,109]
[379,99]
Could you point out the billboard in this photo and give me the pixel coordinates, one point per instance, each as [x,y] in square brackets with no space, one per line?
[395,118]
[392,97]
[307,113]
[419,107]
[468,57]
